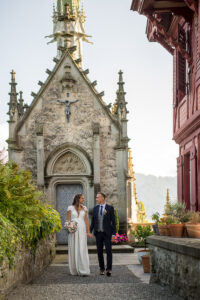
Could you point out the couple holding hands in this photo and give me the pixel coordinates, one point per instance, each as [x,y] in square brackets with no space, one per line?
[104,227]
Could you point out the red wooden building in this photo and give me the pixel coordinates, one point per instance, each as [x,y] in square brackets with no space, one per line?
[175,24]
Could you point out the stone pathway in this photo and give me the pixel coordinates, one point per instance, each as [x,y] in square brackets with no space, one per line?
[127,282]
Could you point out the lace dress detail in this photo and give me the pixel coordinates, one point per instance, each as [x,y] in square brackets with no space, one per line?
[77,244]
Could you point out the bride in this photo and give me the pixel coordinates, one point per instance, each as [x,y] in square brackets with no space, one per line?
[77,242]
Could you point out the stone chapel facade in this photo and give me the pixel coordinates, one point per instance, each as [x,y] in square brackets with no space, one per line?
[69,138]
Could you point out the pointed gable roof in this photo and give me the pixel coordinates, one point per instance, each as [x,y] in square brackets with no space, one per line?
[68,52]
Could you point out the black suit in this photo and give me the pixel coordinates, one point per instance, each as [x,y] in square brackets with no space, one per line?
[109,229]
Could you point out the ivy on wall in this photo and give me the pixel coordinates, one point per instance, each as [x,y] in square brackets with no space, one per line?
[23,218]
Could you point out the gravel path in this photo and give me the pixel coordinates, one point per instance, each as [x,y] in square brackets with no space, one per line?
[55,283]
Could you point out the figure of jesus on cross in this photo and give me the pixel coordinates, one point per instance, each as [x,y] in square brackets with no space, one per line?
[67,107]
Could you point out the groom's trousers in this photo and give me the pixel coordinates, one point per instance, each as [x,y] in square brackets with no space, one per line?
[101,239]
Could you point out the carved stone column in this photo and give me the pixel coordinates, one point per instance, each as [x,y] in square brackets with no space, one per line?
[40,157]
[122,170]
[96,154]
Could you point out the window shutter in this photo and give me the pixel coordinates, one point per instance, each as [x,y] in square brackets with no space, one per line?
[181,65]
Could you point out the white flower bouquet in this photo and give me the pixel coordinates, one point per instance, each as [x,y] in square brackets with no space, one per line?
[71,226]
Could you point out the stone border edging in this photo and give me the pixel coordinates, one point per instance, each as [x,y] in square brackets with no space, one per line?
[186,246]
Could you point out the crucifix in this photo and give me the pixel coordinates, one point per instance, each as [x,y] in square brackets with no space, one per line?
[67,107]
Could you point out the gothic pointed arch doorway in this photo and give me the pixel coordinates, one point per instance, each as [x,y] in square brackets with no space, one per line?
[68,172]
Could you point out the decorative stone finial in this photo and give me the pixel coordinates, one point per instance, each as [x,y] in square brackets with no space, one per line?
[13,104]
[13,75]
[119,106]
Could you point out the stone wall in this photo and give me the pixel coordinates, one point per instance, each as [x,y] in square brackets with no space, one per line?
[26,265]
[176,262]
[50,115]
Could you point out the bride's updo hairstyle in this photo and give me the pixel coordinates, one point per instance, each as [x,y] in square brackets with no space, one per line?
[76,200]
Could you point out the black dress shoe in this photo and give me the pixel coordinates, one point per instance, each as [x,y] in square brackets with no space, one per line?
[108,273]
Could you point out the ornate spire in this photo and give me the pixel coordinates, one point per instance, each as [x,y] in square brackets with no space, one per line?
[167,199]
[119,107]
[13,104]
[73,4]
[69,27]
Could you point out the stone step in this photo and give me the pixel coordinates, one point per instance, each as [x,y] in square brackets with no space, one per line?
[63,249]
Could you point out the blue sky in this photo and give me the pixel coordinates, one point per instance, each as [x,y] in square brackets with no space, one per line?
[120,42]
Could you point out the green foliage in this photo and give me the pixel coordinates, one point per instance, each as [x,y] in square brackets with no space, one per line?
[178,212]
[23,217]
[117,220]
[156,217]
[194,217]
[141,233]
[172,220]
[9,237]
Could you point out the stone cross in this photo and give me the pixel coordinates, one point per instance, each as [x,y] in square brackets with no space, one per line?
[67,107]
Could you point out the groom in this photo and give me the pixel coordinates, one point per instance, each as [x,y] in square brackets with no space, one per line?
[104,226]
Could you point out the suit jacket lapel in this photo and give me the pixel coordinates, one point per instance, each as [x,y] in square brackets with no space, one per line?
[97,210]
[106,209]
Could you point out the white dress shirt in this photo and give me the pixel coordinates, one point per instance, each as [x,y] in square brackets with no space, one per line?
[103,205]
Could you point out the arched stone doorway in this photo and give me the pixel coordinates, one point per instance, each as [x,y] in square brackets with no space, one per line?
[68,171]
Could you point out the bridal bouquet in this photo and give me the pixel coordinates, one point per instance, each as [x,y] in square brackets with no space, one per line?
[70,226]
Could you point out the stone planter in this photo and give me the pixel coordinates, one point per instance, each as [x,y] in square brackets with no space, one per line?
[176,230]
[193,230]
[146,263]
[156,229]
[141,253]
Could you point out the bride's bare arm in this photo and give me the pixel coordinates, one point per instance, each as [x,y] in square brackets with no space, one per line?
[69,215]
[87,224]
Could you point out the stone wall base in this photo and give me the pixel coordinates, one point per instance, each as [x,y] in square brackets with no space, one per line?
[175,262]
[26,265]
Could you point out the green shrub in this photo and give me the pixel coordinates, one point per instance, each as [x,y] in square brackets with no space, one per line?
[156,217]
[178,211]
[141,233]
[9,237]
[21,209]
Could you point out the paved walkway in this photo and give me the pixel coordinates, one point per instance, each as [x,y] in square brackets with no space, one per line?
[127,282]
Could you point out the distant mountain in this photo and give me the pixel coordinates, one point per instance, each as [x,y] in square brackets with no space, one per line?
[151,190]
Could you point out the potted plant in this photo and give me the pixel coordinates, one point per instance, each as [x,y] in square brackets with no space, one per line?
[193,226]
[156,217]
[163,227]
[141,233]
[146,263]
[176,218]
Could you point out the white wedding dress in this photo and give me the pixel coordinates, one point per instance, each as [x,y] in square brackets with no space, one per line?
[78,257]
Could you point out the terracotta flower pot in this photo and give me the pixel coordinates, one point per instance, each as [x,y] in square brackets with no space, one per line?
[161,229]
[193,230]
[141,253]
[176,230]
[167,230]
[146,263]
[164,230]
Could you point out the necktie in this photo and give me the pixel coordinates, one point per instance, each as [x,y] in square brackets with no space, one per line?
[101,210]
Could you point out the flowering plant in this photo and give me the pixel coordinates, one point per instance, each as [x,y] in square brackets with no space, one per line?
[120,238]
[70,226]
